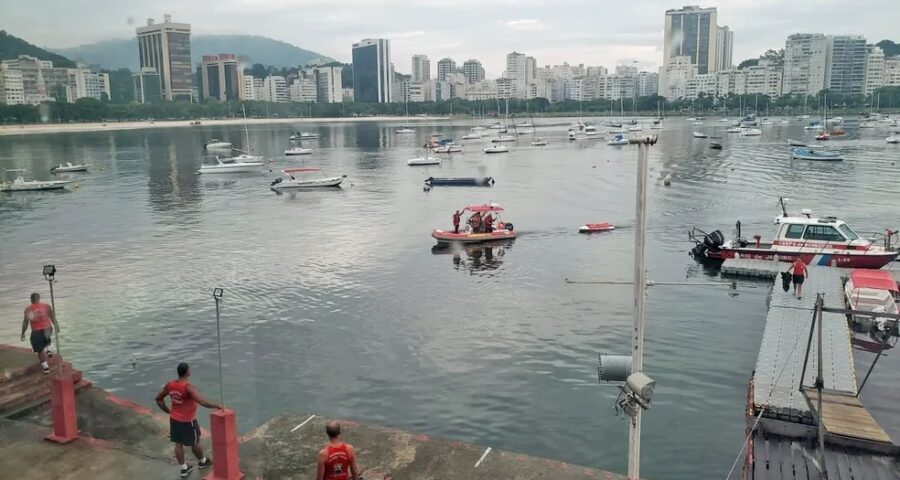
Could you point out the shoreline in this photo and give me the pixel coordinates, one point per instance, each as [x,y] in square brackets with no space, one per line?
[148,124]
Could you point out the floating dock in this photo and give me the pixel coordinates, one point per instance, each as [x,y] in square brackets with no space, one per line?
[740,267]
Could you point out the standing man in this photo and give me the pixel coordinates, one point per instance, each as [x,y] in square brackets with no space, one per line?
[40,316]
[456,217]
[337,461]
[799,274]
[183,427]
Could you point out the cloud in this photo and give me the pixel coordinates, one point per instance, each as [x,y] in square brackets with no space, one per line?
[525,24]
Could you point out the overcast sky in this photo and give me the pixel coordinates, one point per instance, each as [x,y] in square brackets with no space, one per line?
[593,32]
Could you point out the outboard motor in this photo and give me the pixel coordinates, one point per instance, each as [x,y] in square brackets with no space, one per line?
[711,241]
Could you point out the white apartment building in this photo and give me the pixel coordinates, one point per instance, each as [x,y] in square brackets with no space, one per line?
[304,90]
[892,71]
[874,69]
[674,76]
[646,84]
[724,48]
[596,71]
[275,89]
[421,91]
[507,88]
[483,90]
[251,88]
[421,69]
[328,84]
[707,84]
[732,82]
[845,64]
[764,79]
[805,56]
[86,84]
[12,90]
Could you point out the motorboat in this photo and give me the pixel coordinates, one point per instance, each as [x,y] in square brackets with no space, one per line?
[70,167]
[596,227]
[303,136]
[496,126]
[590,130]
[823,136]
[538,142]
[19,184]
[289,179]
[460,182]
[217,164]
[766,123]
[750,132]
[818,155]
[404,130]
[476,129]
[503,138]
[496,149]
[700,135]
[825,241]
[448,148]
[501,230]
[298,151]
[796,143]
[618,140]
[472,136]
[733,130]
[572,135]
[893,139]
[785,122]
[837,120]
[216,144]
[876,292]
[247,158]
[715,145]
[426,160]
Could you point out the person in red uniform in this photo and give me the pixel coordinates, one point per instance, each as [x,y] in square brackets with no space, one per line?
[488,223]
[798,268]
[183,427]
[337,461]
[42,320]
[456,217]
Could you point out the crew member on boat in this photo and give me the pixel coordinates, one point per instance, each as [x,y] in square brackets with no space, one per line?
[488,223]
[475,222]
[456,217]
[798,268]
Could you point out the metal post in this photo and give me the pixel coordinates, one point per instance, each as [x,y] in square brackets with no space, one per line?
[871,367]
[217,294]
[640,287]
[49,274]
[820,383]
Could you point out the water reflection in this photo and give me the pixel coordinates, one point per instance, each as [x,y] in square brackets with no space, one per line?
[475,258]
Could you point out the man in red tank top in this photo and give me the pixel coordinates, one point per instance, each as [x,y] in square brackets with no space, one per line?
[42,320]
[799,275]
[183,427]
[337,461]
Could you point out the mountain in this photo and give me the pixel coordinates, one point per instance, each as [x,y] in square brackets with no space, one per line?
[250,49]
[12,46]
[890,48]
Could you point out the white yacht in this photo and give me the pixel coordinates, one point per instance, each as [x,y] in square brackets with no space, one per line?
[239,164]
[216,144]
[70,167]
[298,151]
[19,184]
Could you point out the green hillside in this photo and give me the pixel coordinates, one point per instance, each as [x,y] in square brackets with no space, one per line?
[12,46]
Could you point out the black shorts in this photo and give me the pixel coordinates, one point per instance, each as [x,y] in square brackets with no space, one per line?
[185,433]
[40,340]
[798,279]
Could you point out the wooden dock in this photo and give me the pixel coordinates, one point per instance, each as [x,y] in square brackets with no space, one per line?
[845,417]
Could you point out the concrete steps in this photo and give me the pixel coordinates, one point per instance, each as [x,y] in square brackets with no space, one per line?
[27,387]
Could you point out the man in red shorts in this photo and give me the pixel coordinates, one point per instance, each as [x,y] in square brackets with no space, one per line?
[337,461]
[183,427]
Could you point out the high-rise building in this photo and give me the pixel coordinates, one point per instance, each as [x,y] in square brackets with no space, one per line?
[874,69]
[646,84]
[805,57]
[304,90]
[473,71]
[166,47]
[516,73]
[275,89]
[845,64]
[41,81]
[12,91]
[220,77]
[724,48]
[328,84]
[147,85]
[421,69]
[372,71]
[763,79]
[692,32]
[530,70]
[674,77]
[445,67]
[83,83]
[892,71]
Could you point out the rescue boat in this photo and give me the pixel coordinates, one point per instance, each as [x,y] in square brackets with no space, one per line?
[596,227]
[501,231]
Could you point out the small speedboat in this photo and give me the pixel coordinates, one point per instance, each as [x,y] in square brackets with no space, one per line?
[503,139]
[303,136]
[289,179]
[751,132]
[618,140]
[404,130]
[460,182]
[216,144]
[239,164]
[810,154]
[426,160]
[872,291]
[596,227]
[298,151]
[19,184]
[893,139]
[472,136]
[539,142]
[70,167]
[823,136]
[450,148]
[501,230]
[700,135]
[496,149]
[590,130]
[796,143]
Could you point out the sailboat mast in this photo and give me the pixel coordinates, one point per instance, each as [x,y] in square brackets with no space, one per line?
[246,131]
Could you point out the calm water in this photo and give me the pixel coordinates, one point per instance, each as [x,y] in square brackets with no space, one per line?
[336,304]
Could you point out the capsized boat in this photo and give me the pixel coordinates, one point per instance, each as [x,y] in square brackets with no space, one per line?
[239,164]
[501,230]
[298,151]
[817,155]
[70,167]
[618,140]
[823,241]
[496,149]
[460,182]
[19,184]
[596,227]
[290,179]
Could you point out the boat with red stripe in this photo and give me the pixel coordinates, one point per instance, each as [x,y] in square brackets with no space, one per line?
[824,241]
[482,226]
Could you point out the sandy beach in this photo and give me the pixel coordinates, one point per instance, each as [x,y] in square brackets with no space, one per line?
[96,127]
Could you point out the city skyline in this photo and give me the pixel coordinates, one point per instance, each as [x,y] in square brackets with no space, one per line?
[566,33]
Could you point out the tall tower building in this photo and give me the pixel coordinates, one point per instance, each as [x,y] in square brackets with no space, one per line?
[372,71]
[220,77]
[166,47]
[874,69]
[515,71]
[445,67]
[804,64]
[328,84]
[692,32]
[724,48]
[845,64]
[421,69]
[473,71]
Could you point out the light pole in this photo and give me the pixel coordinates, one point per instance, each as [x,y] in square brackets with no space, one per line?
[49,274]
[217,295]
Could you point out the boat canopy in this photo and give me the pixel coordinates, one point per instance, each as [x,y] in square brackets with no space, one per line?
[299,169]
[874,279]
[487,207]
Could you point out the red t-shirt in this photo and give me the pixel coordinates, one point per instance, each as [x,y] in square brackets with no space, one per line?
[337,462]
[799,268]
[184,408]
[40,316]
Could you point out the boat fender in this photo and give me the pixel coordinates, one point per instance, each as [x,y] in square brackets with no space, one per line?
[509,226]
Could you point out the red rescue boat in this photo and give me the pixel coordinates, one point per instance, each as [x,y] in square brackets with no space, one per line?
[596,227]
[477,232]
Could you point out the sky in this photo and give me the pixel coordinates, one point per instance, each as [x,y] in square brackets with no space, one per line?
[592,32]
